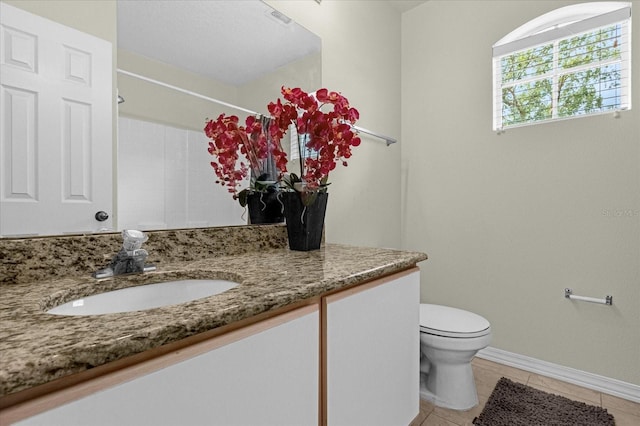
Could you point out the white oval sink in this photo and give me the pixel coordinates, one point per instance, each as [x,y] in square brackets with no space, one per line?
[143,297]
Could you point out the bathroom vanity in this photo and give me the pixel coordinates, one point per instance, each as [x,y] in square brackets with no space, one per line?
[322,337]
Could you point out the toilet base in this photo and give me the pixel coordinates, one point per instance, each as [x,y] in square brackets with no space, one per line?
[460,398]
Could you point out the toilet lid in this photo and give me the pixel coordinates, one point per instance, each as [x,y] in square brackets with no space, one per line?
[452,322]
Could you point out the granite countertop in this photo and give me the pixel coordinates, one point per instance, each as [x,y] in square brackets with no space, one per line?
[37,347]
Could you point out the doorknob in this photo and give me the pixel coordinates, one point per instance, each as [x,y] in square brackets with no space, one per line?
[101,216]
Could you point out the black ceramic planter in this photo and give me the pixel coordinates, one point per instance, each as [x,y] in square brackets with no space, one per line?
[304,223]
[265,207]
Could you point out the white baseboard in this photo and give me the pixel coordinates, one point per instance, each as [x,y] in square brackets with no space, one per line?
[566,374]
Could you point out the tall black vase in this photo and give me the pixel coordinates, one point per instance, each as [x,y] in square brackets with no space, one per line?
[264,207]
[304,223]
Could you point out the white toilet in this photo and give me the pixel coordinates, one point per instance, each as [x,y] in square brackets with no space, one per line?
[449,339]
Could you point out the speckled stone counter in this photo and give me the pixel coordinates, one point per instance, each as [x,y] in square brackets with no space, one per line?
[36,259]
[37,347]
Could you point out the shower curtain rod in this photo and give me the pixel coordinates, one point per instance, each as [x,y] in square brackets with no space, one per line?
[387,139]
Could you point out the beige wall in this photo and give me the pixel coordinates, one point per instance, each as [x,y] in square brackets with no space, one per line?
[151,102]
[509,221]
[97,17]
[361,59]
[304,73]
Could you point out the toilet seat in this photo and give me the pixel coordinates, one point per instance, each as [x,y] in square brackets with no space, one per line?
[452,322]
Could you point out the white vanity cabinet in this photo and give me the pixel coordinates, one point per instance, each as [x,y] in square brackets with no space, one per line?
[372,353]
[263,374]
[345,358]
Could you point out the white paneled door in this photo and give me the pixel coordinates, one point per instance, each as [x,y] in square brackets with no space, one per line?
[56,127]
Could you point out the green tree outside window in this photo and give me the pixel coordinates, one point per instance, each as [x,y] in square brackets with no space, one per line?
[569,77]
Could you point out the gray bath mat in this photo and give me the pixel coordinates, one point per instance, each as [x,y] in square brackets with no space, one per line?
[515,404]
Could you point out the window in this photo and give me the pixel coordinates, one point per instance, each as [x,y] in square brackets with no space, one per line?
[297,143]
[571,62]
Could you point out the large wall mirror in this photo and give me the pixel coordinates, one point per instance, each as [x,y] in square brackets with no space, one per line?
[238,52]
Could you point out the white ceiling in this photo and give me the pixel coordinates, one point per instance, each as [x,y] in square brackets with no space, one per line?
[231,41]
[404,5]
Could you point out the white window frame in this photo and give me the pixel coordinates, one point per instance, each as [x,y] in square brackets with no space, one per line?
[557,25]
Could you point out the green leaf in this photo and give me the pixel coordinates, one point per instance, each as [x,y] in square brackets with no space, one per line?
[290,180]
[308,198]
[242,197]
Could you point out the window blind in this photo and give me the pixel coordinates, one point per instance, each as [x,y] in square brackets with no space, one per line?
[564,65]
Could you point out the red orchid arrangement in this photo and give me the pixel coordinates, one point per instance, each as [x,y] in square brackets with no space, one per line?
[229,140]
[324,138]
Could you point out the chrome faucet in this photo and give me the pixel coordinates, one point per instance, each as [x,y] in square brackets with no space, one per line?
[131,257]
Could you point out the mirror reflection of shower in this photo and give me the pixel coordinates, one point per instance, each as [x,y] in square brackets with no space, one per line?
[164,175]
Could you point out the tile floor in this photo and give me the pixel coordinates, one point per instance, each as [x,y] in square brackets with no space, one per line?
[488,373]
